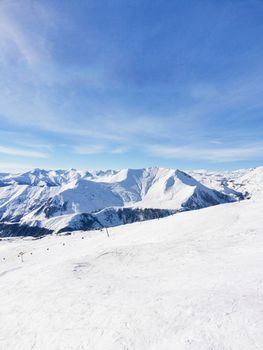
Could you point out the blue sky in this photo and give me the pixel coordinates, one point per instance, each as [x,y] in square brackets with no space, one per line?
[112,84]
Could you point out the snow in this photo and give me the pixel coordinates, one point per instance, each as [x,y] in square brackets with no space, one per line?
[193,280]
[247,181]
[33,197]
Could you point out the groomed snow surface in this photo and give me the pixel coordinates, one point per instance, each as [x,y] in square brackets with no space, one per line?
[189,281]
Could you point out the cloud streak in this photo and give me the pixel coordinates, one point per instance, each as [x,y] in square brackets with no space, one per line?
[98,149]
[17,40]
[20,152]
[210,154]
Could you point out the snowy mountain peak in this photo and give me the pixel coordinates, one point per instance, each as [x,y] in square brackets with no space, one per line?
[39,197]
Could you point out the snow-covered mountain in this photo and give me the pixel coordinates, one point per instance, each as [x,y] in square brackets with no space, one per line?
[59,199]
[248,182]
[187,281]
[191,281]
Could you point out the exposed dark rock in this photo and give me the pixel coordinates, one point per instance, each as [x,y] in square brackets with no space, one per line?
[15,230]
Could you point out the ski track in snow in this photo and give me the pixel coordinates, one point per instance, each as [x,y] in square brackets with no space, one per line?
[190,281]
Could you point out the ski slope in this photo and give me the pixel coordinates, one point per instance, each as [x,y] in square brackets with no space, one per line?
[193,280]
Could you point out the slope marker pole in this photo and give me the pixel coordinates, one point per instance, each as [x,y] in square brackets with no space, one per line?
[107,232]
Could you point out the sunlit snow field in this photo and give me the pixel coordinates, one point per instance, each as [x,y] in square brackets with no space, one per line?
[190,281]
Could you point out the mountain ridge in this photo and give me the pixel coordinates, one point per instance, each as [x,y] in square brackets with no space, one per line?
[35,197]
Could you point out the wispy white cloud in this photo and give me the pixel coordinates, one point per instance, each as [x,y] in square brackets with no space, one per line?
[25,140]
[120,150]
[18,40]
[91,149]
[20,152]
[240,91]
[96,149]
[210,154]
[15,168]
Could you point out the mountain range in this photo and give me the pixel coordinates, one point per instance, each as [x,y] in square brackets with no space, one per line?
[47,201]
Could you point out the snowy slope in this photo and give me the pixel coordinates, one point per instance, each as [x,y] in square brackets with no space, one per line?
[190,281]
[33,198]
[251,181]
[176,189]
[248,182]
[107,217]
